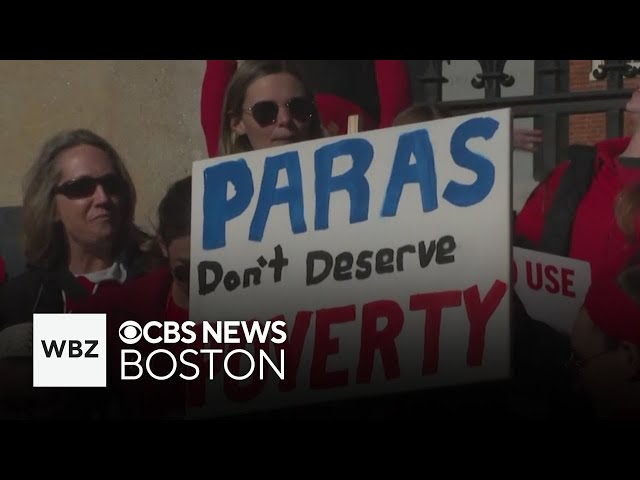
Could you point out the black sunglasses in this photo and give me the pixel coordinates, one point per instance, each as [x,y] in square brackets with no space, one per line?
[266,113]
[181,273]
[84,187]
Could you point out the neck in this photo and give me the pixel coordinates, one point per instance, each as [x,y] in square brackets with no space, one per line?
[180,297]
[88,260]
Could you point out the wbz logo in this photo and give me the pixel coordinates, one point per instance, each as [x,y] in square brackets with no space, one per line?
[69,350]
[74,350]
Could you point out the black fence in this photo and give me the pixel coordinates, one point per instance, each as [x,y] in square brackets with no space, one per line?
[550,105]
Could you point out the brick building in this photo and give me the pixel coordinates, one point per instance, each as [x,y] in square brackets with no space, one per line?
[590,128]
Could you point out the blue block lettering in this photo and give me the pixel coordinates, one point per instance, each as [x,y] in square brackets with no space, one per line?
[270,195]
[353,181]
[423,171]
[466,195]
[218,210]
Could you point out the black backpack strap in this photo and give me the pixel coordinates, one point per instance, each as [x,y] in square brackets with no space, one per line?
[574,184]
[518,240]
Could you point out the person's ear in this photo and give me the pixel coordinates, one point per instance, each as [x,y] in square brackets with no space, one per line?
[632,359]
[238,126]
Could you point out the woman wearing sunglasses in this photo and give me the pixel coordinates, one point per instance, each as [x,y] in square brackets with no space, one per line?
[375,90]
[267,104]
[79,236]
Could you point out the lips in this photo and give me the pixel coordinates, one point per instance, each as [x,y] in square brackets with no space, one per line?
[102,216]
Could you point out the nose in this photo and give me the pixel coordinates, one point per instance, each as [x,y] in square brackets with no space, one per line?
[284,118]
[100,196]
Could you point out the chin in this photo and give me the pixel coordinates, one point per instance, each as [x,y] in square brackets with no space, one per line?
[103,236]
[633,106]
[279,143]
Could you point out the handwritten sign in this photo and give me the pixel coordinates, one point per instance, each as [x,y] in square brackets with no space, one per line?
[387,253]
[552,288]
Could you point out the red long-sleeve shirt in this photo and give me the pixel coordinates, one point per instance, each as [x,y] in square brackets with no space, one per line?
[596,236]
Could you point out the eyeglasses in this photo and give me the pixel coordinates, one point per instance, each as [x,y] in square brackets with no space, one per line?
[181,272]
[266,113]
[84,187]
[575,363]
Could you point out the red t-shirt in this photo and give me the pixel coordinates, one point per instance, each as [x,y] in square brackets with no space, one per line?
[95,282]
[174,312]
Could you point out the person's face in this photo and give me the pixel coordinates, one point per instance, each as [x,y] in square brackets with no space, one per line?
[178,253]
[633,105]
[89,196]
[602,372]
[273,124]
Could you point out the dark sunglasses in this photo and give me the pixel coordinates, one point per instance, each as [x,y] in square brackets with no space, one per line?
[84,187]
[266,113]
[181,273]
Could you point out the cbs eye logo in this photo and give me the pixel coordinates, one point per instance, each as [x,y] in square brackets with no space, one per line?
[130,332]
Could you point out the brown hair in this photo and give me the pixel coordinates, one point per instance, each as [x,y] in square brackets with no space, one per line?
[174,212]
[174,221]
[627,214]
[420,112]
[248,72]
[627,211]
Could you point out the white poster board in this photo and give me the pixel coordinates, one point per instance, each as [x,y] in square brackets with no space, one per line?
[415,223]
[552,288]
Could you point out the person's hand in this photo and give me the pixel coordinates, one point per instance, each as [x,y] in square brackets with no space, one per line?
[330,130]
[526,139]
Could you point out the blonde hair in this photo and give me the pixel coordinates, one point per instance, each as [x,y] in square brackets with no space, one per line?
[44,238]
[627,210]
[249,71]
[420,112]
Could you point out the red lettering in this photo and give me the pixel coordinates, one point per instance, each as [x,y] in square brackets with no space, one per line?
[551,272]
[232,388]
[567,282]
[514,272]
[373,339]
[196,389]
[432,304]
[537,283]
[325,345]
[479,312]
[293,349]
[215,359]
[549,279]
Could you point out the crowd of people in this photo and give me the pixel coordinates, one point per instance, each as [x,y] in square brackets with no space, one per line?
[86,254]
